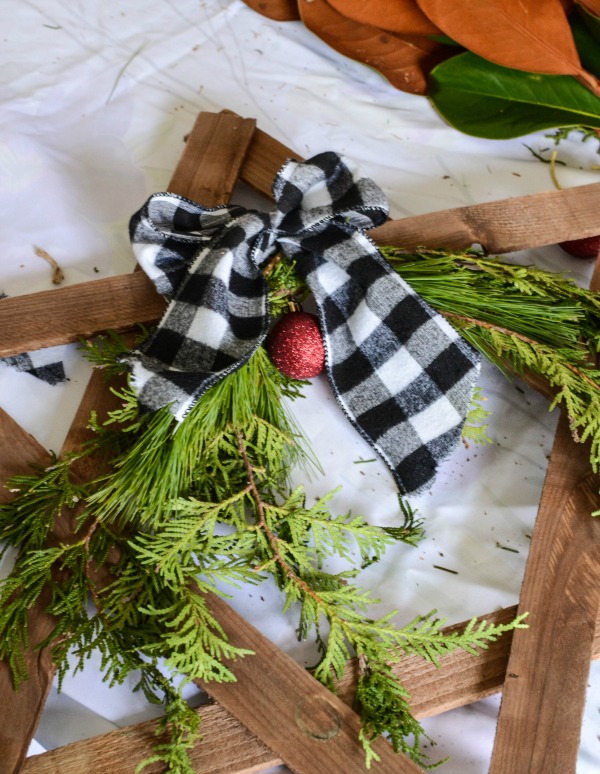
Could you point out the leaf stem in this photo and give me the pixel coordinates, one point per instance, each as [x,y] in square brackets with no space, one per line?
[262,521]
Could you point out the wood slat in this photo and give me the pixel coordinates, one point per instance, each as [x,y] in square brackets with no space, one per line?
[502,226]
[215,151]
[64,315]
[229,748]
[310,728]
[539,724]
[18,451]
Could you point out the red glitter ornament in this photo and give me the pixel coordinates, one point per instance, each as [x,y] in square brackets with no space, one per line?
[296,346]
[587,247]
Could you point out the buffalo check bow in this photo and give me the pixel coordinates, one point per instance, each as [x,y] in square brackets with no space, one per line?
[402,374]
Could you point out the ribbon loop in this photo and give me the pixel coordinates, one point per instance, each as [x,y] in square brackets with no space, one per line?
[400,372]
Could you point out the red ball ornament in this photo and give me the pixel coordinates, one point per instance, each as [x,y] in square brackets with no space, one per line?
[296,346]
[587,247]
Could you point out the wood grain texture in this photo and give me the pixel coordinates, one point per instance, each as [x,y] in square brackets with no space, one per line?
[540,718]
[539,724]
[502,226]
[228,747]
[215,150]
[18,451]
[66,315]
[310,728]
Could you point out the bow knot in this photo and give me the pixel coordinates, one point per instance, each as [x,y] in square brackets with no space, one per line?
[400,372]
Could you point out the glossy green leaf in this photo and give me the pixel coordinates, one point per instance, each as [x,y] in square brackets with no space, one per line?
[591,21]
[486,100]
[587,40]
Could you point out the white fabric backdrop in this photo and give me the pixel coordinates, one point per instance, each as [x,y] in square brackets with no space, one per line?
[96,98]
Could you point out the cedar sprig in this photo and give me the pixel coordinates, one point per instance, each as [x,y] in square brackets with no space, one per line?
[583,134]
[188,518]
[189,509]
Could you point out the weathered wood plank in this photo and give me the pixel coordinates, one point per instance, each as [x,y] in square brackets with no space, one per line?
[502,226]
[539,724]
[66,315]
[18,451]
[215,151]
[229,748]
[540,718]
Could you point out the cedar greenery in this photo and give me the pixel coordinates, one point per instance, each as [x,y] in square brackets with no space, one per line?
[188,509]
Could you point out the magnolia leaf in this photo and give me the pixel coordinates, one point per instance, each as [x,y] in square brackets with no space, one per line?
[591,21]
[592,6]
[587,40]
[486,100]
[279,10]
[402,16]
[523,34]
[405,62]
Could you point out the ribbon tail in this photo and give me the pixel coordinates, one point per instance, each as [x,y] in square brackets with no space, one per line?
[217,320]
[401,373]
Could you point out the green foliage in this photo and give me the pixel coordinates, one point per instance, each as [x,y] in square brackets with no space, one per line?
[487,100]
[586,34]
[584,134]
[286,289]
[411,531]
[474,428]
[184,510]
[383,701]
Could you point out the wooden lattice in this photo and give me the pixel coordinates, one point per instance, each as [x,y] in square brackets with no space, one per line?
[276,711]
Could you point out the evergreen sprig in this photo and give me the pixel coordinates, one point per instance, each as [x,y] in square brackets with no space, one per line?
[188,509]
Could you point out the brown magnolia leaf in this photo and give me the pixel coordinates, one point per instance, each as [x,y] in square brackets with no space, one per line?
[402,16]
[279,10]
[404,61]
[530,35]
[593,6]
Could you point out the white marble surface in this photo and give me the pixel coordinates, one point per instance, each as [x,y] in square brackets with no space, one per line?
[96,98]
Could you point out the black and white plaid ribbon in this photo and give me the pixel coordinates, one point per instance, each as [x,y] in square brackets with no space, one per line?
[38,364]
[400,372]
